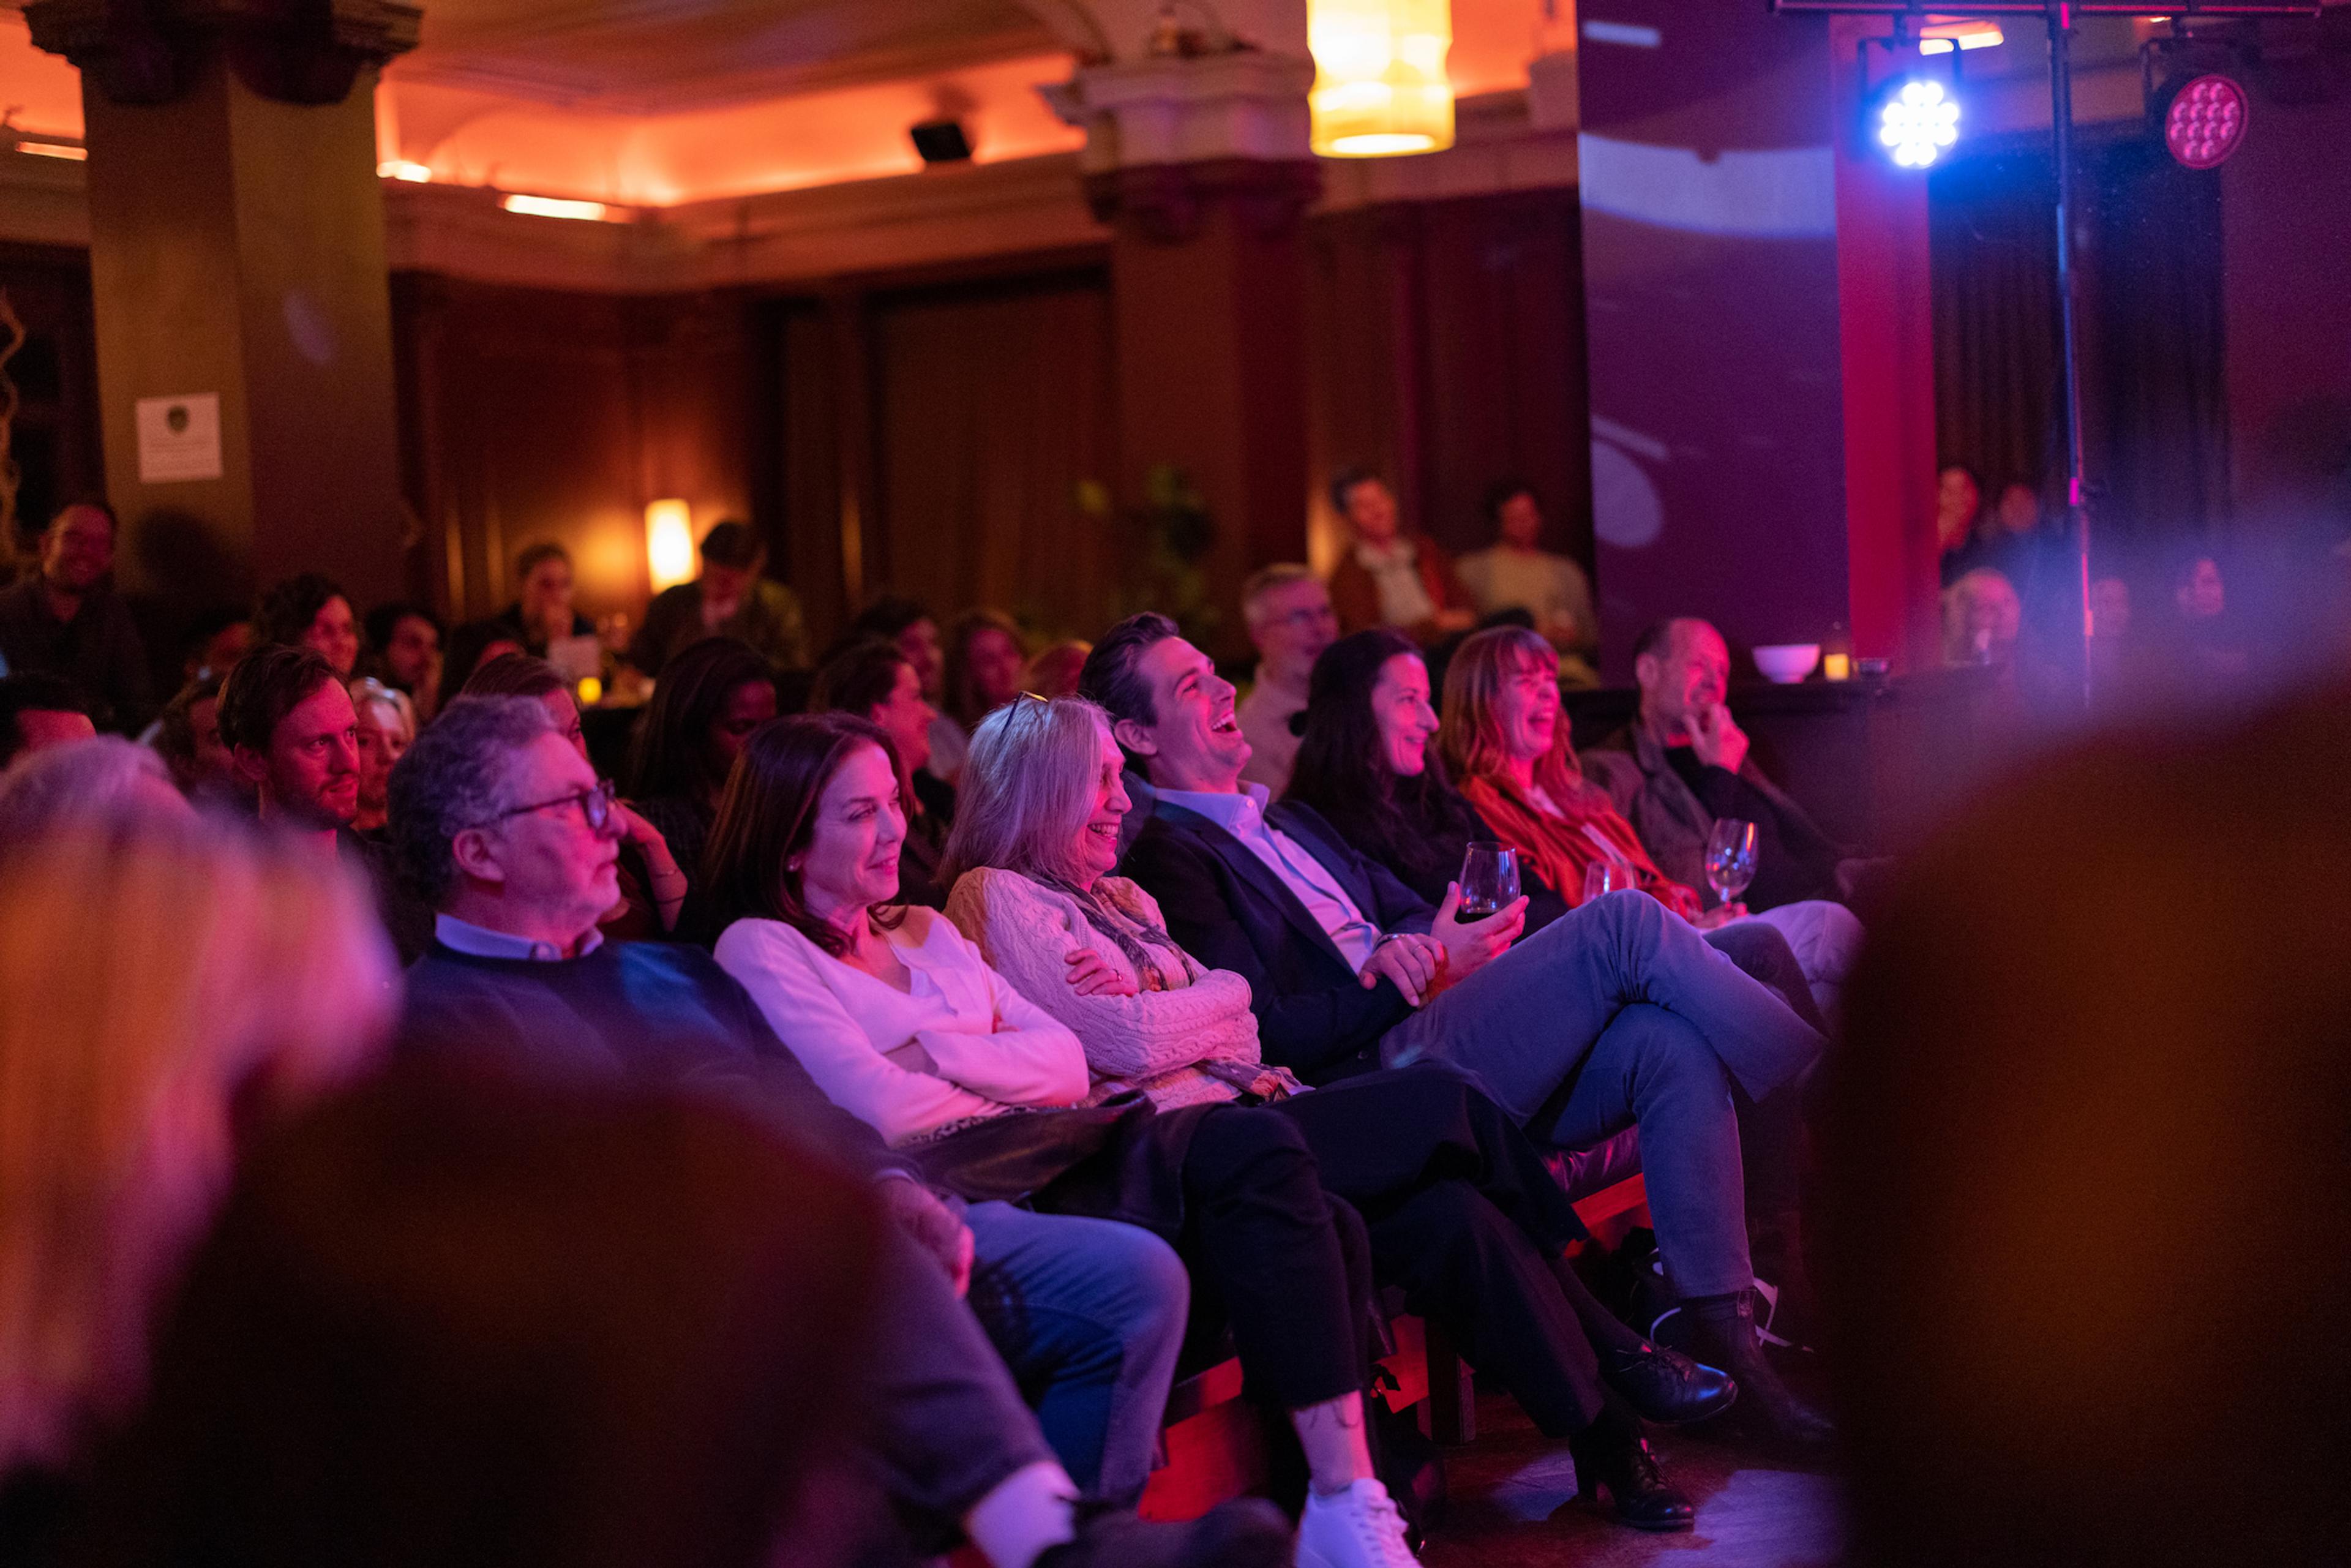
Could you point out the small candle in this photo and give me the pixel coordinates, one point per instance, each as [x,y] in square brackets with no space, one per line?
[1837,666]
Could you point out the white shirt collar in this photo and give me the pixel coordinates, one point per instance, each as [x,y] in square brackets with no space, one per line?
[1240,813]
[481,942]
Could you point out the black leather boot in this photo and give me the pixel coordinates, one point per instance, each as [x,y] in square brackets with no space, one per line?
[1723,1335]
[1664,1386]
[1612,1456]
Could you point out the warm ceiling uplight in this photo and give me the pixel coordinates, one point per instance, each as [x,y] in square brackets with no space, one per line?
[669,544]
[556,207]
[55,150]
[1941,37]
[402,169]
[1380,87]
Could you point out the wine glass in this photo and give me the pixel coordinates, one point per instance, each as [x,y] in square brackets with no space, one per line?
[1731,857]
[1603,876]
[1489,879]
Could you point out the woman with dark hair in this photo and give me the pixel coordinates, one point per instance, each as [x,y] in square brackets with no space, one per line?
[901,1022]
[404,651]
[543,611]
[310,612]
[653,888]
[878,682]
[709,701]
[471,646]
[1464,1214]
[905,622]
[985,660]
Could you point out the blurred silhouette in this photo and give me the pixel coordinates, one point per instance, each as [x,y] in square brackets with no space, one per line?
[2085,1242]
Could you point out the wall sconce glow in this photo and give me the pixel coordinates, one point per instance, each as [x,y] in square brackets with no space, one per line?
[1942,37]
[555,207]
[669,544]
[1917,122]
[65,150]
[1380,87]
[402,169]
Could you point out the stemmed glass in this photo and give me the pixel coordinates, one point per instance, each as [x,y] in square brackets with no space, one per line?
[1603,877]
[1489,879]
[1731,857]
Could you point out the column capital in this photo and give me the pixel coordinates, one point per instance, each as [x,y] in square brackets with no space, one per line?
[1170,135]
[291,51]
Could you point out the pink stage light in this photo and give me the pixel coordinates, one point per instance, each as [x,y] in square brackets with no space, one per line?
[2205,121]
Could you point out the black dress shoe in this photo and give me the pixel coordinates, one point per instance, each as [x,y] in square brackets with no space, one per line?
[1664,1386]
[1247,1532]
[1620,1463]
[1723,1331]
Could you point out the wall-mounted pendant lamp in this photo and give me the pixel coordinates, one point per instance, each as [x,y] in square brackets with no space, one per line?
[669,544]
[1380,88]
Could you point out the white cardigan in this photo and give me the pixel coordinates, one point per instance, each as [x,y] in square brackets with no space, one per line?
[1195,1043]
[961,1044]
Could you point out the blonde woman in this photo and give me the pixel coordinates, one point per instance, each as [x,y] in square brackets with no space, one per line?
[163,983]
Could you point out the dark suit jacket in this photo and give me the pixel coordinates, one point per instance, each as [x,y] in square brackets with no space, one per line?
[1225,908]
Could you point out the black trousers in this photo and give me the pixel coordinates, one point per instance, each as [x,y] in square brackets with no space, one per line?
[1466,1218]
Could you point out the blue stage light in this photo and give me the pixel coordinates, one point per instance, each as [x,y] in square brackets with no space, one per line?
[1916,119]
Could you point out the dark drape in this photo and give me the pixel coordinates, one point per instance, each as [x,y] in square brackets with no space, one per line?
[2155,427]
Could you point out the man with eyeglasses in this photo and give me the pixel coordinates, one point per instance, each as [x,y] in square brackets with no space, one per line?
[501,824]
[1290,618]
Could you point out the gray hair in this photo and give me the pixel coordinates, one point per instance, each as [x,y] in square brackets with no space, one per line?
[97,779]
[1265,579]
[452,779]
[1028,787]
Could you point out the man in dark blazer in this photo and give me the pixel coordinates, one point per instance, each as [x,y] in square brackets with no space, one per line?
[1617,1015]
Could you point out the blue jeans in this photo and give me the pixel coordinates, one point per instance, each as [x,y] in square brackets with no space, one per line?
[1619,1014]
[1090,1315]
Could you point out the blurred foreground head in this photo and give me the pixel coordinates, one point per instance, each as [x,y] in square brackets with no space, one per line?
[452,1319]
[2088,1233]
[166,984]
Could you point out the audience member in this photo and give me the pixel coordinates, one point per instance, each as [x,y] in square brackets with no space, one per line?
[403,643]
[471,645]
[65,620]
[310,612]
[710,698]
[876,682]
[2208,649]
[905,622]
[165,986]
[1463,1214]
[2084,1233]
[1389,576]
[542,612]
[1288,611]
[1683,762]
[293,733]
[1983,618]
[985,660]
[1516,572]
[898,1019]
[1958,498]
[1505,739]
[188,739]
[1616,1016]
[653,888]
[94,777]
[452,1320]
[40,710]
[732,598]
[502,827]
[387,729]
[217,639]
[1053,673]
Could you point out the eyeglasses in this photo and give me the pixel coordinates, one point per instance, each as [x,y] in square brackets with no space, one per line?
[595,805]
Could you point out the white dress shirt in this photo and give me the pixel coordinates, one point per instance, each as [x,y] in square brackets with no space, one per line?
[1242,814]
[1396,572]
[481,942]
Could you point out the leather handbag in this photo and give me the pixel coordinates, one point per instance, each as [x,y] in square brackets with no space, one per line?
[1012,1157]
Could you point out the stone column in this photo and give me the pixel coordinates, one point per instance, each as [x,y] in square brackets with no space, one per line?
[237,266]
[1200,165]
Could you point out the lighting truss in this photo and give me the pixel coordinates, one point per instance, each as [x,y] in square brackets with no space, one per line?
[2060,16]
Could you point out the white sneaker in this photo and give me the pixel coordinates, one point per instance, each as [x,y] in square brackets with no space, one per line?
[1359,1527]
